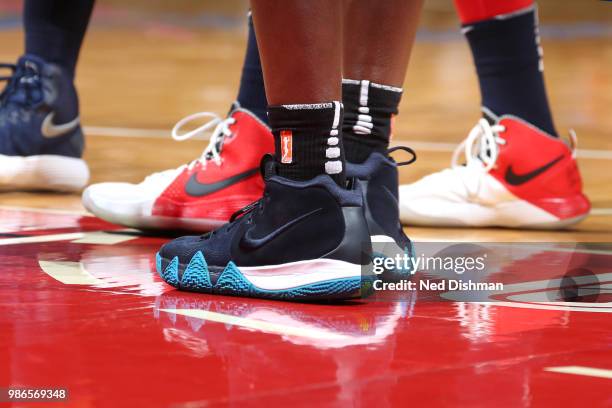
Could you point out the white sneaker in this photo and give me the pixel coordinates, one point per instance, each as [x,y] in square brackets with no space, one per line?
[515,175]
[198,196]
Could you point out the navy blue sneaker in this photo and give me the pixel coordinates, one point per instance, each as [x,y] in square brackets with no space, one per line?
[379,183]
[378,179]
[304,240]
[41,141]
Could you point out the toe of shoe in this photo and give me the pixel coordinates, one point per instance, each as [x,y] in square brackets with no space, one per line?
[171,259]
[182,248]
[119,199]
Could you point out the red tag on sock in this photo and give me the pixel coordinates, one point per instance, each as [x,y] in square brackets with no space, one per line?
[286,146]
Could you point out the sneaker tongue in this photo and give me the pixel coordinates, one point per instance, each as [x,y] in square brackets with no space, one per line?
[233,107]
[489,115]
[218,148]
[32,61]
[25,85]
[493,119]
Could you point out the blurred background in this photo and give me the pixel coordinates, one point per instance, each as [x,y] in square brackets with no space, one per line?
[147,63]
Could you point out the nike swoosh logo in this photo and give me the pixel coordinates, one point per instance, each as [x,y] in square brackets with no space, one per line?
[517,179]
[49,129]
[254,243]
[196,189]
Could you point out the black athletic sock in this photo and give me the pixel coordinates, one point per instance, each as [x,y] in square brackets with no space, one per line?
[368,113]
[508,59]
[308,140]
[252,93]
[54,30]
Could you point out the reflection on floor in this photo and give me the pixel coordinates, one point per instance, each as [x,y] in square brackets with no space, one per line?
[80,304]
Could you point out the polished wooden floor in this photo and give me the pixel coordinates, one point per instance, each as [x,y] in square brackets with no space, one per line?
[83,308]
[137,80]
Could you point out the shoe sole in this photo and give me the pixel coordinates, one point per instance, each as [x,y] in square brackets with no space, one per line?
[44,172]
[312,280]
[149,222]
[514,214]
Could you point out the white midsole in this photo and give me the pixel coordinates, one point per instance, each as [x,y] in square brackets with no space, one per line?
[43,172]
[515,213]
[138,215]
[294,274]
[381,239]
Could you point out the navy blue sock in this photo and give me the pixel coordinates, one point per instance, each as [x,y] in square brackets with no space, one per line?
[252,93]
[54,30]
[507,55]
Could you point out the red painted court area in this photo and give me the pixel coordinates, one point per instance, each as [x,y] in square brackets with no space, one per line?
[82,307]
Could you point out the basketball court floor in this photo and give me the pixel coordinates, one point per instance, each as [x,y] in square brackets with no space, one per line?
[82,308]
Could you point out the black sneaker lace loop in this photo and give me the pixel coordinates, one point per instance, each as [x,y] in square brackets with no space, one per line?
[245,210]
[236,218]
[406,149]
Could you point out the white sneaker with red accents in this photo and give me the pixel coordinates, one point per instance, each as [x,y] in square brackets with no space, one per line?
[198,196]
[515,175]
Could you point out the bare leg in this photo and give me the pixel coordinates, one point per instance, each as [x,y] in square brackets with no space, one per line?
[301,54]
[377,45]
[378,39]
[300,48]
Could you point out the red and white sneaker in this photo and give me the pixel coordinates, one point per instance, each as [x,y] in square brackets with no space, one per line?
[515,175]
[198,196]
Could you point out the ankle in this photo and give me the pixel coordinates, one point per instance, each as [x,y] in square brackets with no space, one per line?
[308,140]
[369,110]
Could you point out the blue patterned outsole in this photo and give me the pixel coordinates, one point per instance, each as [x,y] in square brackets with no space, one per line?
[196,278]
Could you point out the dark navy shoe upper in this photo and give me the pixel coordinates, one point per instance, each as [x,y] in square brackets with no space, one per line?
[378,179]
[34,90]
[294,221]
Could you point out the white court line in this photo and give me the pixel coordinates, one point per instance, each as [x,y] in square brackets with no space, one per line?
[133,132]
[69,273]
[601,211]
[580,370]
[106,238]
[417,145]
[428,146]
[126,132]
[542,306]
[450,147]
[42,238]
[46,210]
[90,237]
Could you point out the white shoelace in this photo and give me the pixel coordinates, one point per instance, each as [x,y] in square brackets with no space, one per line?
[212,151]
[221,131]
[480,147]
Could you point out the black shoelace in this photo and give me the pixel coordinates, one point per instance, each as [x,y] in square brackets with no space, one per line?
[244,214]
[405,149]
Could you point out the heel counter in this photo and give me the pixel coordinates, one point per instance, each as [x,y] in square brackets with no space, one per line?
[564,181]
[355,246]
[563,192]
[382,200]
